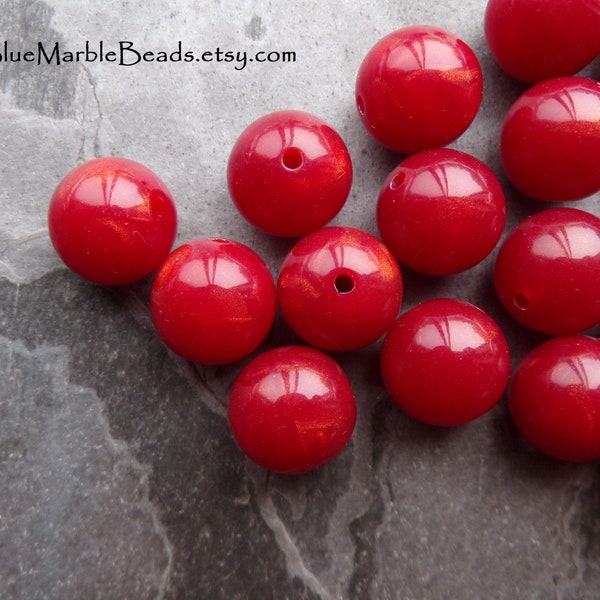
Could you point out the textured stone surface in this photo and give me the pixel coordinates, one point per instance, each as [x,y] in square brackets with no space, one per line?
[119,477]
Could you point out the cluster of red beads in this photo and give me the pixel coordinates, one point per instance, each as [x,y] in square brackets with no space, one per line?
[440,211]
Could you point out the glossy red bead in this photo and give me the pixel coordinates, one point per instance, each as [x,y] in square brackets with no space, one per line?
[292,409]
[550,140]
[339,288]
[547,271]
[534,40]
[441,211]
[445,362]
[418,88]
[554,398]
[289,173]
[112,220]
[213,301]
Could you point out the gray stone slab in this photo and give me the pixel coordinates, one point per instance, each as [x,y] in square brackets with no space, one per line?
[119,477]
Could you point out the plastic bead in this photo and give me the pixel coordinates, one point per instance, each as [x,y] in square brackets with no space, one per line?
[547,271]
[339,288]
[550,140]
[292,409]
[445,362]
[112,221]
[441,211]
[555,395]
[289,173]
[535,40]
[418,88]
[213,301]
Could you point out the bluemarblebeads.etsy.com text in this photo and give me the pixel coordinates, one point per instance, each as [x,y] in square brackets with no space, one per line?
[126,53]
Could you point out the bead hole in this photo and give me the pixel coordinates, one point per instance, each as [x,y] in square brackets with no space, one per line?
[292,158]
[360,104]
[397,180]
[521,302]
[344,284]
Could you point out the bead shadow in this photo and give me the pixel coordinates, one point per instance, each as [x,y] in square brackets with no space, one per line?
[372,163]
[392,428]
[526,462]
[419,287]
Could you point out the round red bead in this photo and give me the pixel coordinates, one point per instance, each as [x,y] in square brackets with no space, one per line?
[339,288]
[418,88]
[292,409]
[554,398]
[535,40]
[445,362]
[289,173]
[547,271]
[112,221]
[441,211]
[213,301]
[550,140]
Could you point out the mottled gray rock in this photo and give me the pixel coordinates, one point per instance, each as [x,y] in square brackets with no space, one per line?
[75,501]
[119,477]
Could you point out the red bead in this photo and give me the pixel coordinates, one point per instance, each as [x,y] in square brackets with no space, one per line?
[547,271]
[418,88]
[213,301]
[339,288]
[292,409]
[550,140]
[441,211]
[289,173]
[112,221]
[554,398]
[445,362]
[534,40]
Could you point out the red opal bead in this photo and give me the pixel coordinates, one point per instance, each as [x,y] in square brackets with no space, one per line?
[112,220]
[550,140]
[339,288]
[445,362]
[441,211]
[292,409]
[213,301]
[535,40]
[289,173]
[547,271]
[418,88]
[554,398]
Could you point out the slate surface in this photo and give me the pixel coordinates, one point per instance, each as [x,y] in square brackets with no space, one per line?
[119,477]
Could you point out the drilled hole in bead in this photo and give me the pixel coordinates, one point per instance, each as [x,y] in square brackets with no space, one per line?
[292,158]
[344,284]
[397,180]
[360,104]
[521,302]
